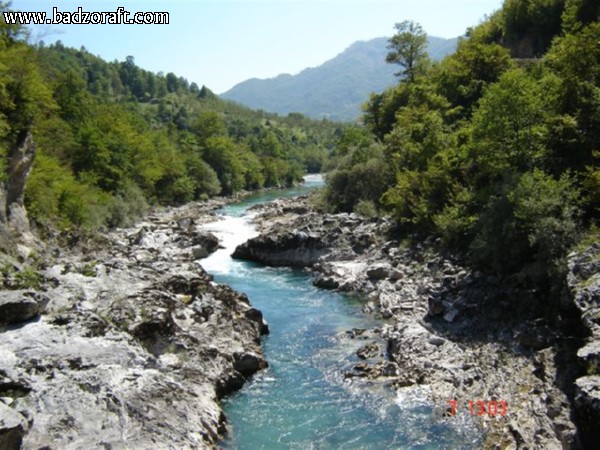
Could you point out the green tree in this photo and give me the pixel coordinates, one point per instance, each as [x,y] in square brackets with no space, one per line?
[463,76]
[379,113]
[531,221]
[530,25]
[208,124]
[579,13]
[23,93]
[509,127]
[222,155]
[408,49]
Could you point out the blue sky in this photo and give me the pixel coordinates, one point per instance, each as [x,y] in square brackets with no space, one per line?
[220,43]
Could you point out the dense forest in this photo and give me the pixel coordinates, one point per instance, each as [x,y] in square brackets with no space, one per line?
[493,151]
[112,139]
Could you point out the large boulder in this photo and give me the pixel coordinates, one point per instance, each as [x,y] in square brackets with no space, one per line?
[299,249]
[12,428]
[587,405]
[20,306]
[248,363]
[378,271]
[204,244]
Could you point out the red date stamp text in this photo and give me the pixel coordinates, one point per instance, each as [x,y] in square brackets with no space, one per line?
[479,408]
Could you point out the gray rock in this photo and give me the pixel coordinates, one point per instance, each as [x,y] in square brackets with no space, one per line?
[584,283]
[206,240]
[587,403]
[152,240]
[436,340]
[589,356]
[378,272]
[199,252]
[12,428]
[17,220]
[368,351]
[326,282]
[20,306]
[133,357]
[396,274]
[257,316]
[283,249]
[389,369]
[532,339]
[249,363]
[369,307]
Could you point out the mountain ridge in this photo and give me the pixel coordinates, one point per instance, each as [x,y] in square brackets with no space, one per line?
[335,89]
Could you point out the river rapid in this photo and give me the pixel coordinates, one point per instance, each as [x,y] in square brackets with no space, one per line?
[303,400]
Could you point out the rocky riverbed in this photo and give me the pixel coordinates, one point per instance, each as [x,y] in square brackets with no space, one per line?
[124,341]
[460,334]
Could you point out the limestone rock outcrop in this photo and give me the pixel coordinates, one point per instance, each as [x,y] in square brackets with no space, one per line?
[129,343]
[584,283]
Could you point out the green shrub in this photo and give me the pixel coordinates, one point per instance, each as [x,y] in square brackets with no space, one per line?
[530,219]
[366,208]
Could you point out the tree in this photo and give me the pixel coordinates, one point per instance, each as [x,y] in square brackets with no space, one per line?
[463,76]
[578,13]
[408,49]
[223,156]
[530,25]
[508,126]
[208,124]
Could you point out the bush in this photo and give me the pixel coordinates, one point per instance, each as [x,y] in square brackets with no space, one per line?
[363,174]
[366,208]
[546,209]
[128,206]
[530,220]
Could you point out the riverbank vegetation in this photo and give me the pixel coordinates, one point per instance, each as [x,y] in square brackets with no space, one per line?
[112,139]
[493,151]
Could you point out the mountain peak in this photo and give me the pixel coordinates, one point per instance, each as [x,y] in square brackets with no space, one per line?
[337,88]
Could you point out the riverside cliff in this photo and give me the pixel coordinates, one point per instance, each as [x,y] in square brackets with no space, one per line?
[123,341]
[460,334]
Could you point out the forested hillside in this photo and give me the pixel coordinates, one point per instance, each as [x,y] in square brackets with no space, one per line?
[493,151]
[112,138]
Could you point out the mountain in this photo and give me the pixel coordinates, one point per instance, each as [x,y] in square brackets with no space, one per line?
[337,88]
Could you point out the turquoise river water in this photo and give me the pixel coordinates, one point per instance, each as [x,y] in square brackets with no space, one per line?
[302,401]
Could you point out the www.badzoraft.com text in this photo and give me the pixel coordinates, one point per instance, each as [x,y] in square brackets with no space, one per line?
[81,17]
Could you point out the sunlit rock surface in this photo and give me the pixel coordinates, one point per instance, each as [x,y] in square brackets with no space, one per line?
[135,346]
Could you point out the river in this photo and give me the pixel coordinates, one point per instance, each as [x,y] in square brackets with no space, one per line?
[303,401]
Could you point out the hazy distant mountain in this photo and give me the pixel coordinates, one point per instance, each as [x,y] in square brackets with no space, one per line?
[337,88]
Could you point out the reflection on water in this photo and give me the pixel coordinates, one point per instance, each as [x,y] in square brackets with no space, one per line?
[303,401]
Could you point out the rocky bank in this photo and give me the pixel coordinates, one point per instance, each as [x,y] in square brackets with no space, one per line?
[460,334]
[124,341]
[584,284]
